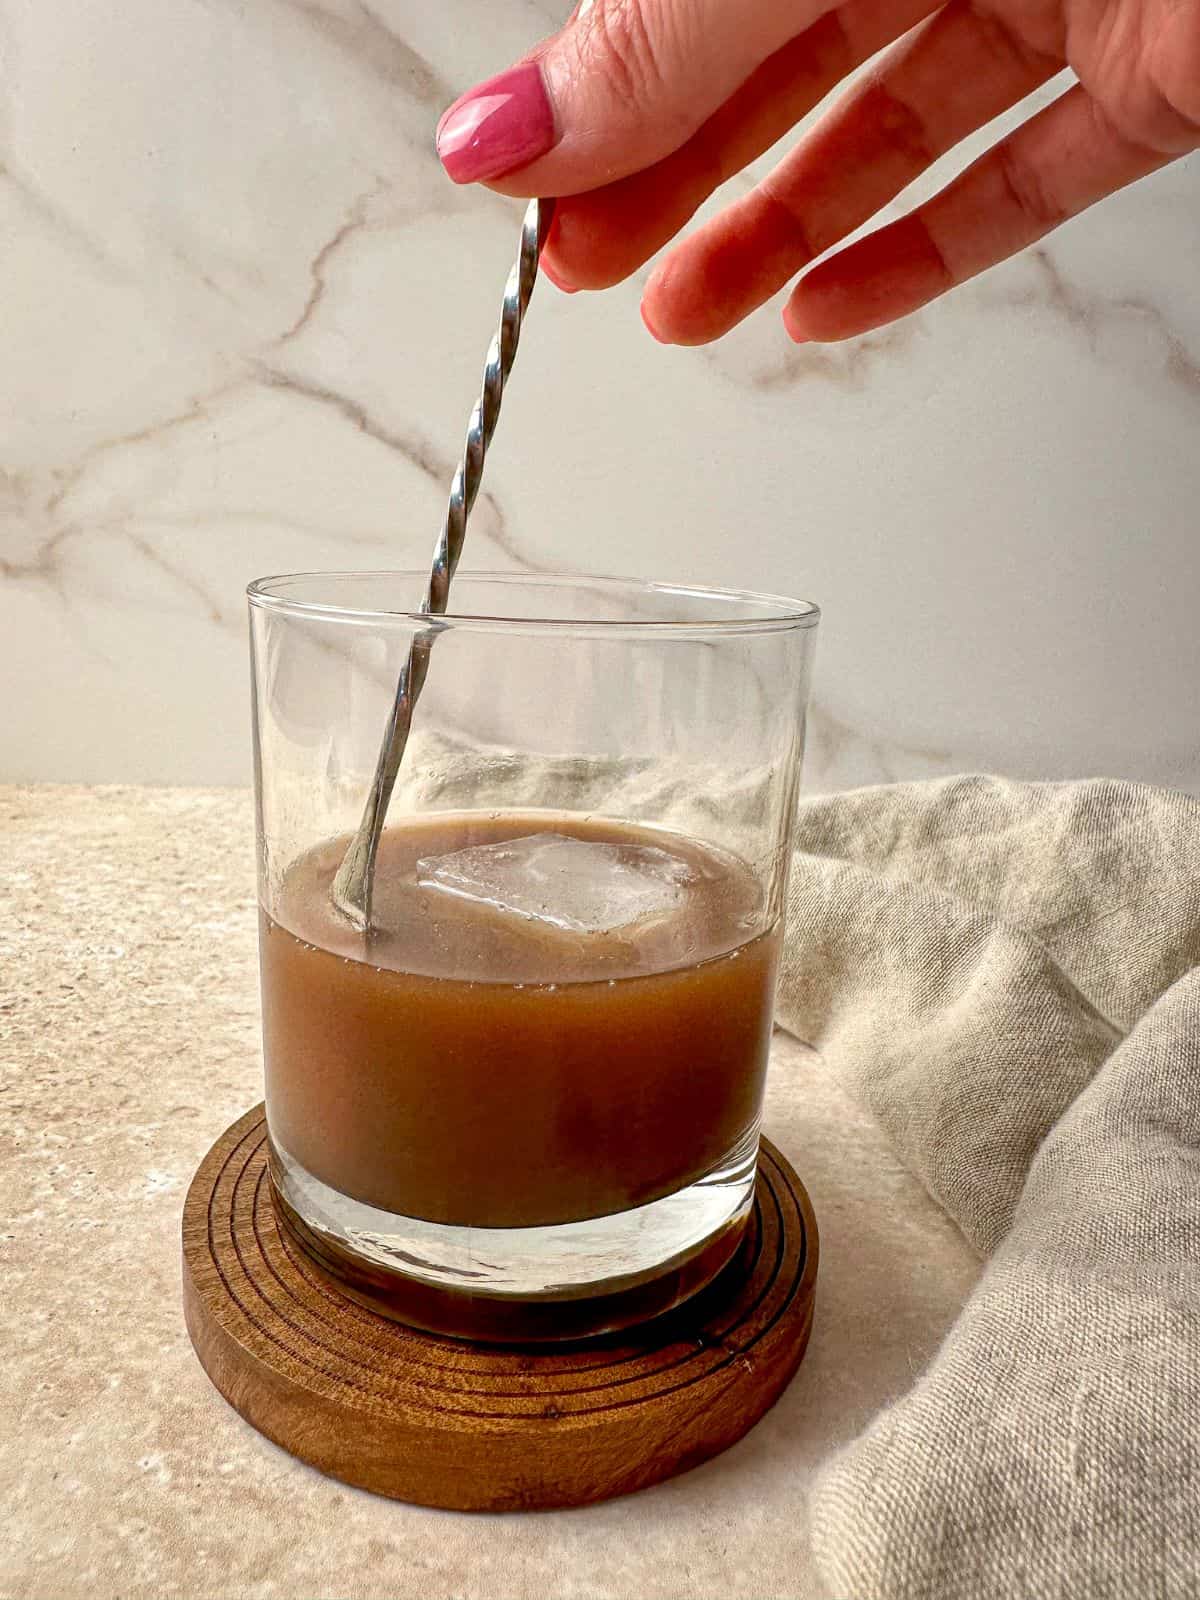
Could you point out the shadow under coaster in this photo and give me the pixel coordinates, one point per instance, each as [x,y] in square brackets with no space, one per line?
[476,1427]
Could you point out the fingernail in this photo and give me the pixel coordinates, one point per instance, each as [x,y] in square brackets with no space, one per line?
[791,330]
[499,126]
[548,271]
[650,328]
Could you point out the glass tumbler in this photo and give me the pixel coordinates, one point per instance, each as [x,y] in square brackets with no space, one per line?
[524,1103]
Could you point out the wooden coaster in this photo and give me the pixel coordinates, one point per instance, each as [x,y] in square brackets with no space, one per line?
[473,1427]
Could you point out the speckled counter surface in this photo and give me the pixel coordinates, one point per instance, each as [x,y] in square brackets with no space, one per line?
[128,1042]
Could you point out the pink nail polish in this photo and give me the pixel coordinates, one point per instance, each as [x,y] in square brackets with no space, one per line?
[499,126]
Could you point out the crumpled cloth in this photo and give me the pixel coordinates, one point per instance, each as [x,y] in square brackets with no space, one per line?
[1007,975]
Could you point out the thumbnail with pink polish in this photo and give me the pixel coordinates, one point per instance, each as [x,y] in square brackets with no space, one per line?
[498,127]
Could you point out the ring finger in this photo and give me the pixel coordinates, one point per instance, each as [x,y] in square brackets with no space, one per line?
[949,77]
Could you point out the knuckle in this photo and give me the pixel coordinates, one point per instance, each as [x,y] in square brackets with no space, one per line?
[779,198]
[1008,48]
[629,47]
[1028,190]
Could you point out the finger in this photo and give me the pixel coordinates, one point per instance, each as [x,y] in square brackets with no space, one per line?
[1051,168]
[951,75]
[603,236]
[621,86]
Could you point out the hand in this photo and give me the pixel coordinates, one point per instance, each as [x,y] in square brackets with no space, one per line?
[639,109]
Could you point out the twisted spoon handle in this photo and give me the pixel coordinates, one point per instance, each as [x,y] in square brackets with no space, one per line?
[354,882]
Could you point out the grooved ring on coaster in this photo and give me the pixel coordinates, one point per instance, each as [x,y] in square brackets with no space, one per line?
[472,1427]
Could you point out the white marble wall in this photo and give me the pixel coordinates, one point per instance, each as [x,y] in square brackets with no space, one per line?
[242,317]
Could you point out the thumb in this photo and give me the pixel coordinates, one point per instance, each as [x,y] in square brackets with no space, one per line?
[624,84]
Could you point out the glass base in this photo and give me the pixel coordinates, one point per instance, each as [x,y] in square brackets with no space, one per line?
[569,1281]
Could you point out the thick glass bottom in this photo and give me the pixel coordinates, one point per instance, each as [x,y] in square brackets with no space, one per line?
[569,1281]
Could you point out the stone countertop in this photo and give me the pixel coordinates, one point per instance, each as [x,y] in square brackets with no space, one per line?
[128,1042]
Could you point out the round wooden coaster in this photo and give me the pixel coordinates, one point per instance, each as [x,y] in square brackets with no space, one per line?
[476,1427]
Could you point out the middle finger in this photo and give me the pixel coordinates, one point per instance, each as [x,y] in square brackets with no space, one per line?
[601,237]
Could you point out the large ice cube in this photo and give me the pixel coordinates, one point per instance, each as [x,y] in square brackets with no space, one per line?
[584,885]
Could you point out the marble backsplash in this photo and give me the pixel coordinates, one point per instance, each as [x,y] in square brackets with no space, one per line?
[243,319]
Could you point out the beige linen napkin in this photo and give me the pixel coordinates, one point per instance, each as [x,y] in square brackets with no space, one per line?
[1007,975]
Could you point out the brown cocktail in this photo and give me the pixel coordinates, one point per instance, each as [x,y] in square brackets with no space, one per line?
[525,1102]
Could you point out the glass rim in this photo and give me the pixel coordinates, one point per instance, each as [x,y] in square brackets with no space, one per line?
[776,611]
